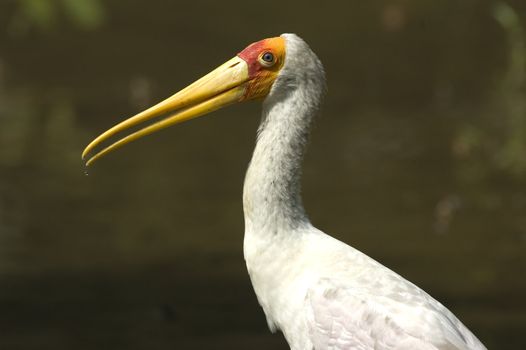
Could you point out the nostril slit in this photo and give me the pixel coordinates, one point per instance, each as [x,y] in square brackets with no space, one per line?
[235,64]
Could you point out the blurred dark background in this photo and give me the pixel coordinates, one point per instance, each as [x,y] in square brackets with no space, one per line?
[419,160]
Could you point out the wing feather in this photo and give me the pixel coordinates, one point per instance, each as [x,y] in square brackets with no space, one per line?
[342,317]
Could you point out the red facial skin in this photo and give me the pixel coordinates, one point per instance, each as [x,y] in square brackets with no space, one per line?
[262,75]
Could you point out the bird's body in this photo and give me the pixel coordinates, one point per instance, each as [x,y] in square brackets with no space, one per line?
[324,294]
[321,293]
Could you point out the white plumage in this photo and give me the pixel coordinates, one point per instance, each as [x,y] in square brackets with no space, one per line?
[321,293]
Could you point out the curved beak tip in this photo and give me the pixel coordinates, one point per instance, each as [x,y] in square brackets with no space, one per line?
[222,87]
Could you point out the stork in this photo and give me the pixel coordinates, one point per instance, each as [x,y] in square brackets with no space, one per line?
[320,292]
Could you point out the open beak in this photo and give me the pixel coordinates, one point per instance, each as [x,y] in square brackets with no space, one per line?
[223,86]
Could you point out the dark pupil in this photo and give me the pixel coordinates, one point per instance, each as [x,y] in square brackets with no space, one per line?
[268,57]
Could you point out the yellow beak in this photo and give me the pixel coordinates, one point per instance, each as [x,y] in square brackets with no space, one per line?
[223,86]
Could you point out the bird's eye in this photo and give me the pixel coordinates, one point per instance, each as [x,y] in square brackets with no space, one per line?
[267,59]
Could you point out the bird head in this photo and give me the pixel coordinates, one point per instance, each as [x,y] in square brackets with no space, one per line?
[247,76]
